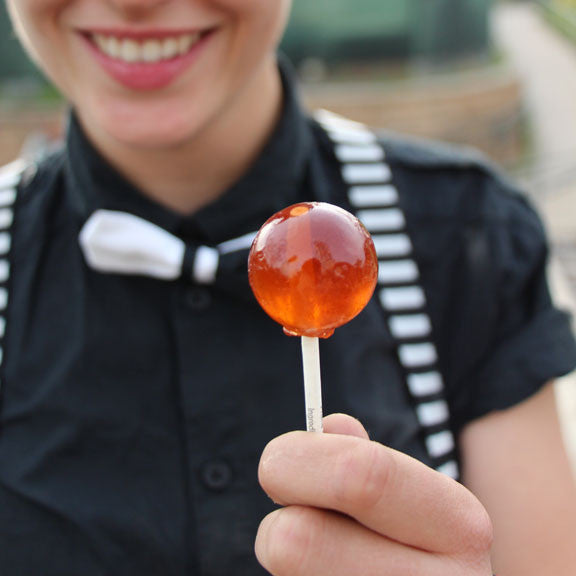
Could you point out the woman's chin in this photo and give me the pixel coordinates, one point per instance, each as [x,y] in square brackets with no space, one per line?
[143,135]
[145,129]
[150,140]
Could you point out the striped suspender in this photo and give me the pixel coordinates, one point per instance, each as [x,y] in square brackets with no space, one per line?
[375,199]
[10,176]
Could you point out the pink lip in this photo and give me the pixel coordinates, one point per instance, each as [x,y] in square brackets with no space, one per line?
[145,76]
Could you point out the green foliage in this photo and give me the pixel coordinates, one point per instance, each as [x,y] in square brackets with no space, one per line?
[562,15]
[566,3]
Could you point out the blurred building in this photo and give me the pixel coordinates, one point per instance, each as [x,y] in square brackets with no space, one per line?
[371,30]
[424,67]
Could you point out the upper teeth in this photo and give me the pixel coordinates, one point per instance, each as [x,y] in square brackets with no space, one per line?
[130,50]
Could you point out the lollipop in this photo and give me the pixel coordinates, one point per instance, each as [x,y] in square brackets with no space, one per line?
[312,267]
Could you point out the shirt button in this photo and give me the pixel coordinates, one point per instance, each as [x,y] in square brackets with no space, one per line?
[216,475]
[198,298]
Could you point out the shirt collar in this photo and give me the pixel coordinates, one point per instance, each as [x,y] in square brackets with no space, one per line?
[269,185]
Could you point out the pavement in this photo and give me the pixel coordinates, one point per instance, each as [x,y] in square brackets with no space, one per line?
[546,62]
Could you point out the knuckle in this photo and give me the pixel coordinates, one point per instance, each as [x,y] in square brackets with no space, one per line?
[478,533]
[483,530]
[293,540]
[365,473]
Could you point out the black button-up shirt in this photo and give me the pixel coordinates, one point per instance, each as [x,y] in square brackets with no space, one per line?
[134,410]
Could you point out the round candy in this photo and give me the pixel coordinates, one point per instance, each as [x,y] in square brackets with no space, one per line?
[312,267]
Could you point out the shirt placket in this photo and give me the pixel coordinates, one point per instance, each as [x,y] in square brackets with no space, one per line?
[214,453]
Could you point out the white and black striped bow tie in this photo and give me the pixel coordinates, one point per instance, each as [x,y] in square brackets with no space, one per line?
[121,243]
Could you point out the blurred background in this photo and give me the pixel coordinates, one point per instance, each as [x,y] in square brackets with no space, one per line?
[496,75]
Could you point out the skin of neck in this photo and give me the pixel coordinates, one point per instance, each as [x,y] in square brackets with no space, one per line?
[189,176]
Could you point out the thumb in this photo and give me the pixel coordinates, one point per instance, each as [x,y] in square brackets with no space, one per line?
[345,425]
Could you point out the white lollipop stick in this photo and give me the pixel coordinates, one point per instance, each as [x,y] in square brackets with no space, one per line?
[312,383]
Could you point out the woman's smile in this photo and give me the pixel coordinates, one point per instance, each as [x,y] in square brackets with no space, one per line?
[150,48]
[146,60]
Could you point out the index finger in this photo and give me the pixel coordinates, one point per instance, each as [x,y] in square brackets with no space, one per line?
[381,488]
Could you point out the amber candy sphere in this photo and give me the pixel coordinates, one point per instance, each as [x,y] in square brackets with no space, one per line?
[313,267]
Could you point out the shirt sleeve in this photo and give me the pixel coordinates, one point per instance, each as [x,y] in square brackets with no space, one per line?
[520,339]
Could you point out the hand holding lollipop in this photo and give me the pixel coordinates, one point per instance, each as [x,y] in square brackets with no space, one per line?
[312,267]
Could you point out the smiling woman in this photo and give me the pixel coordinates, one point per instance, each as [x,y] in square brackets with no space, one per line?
[140,381]
[104,57]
